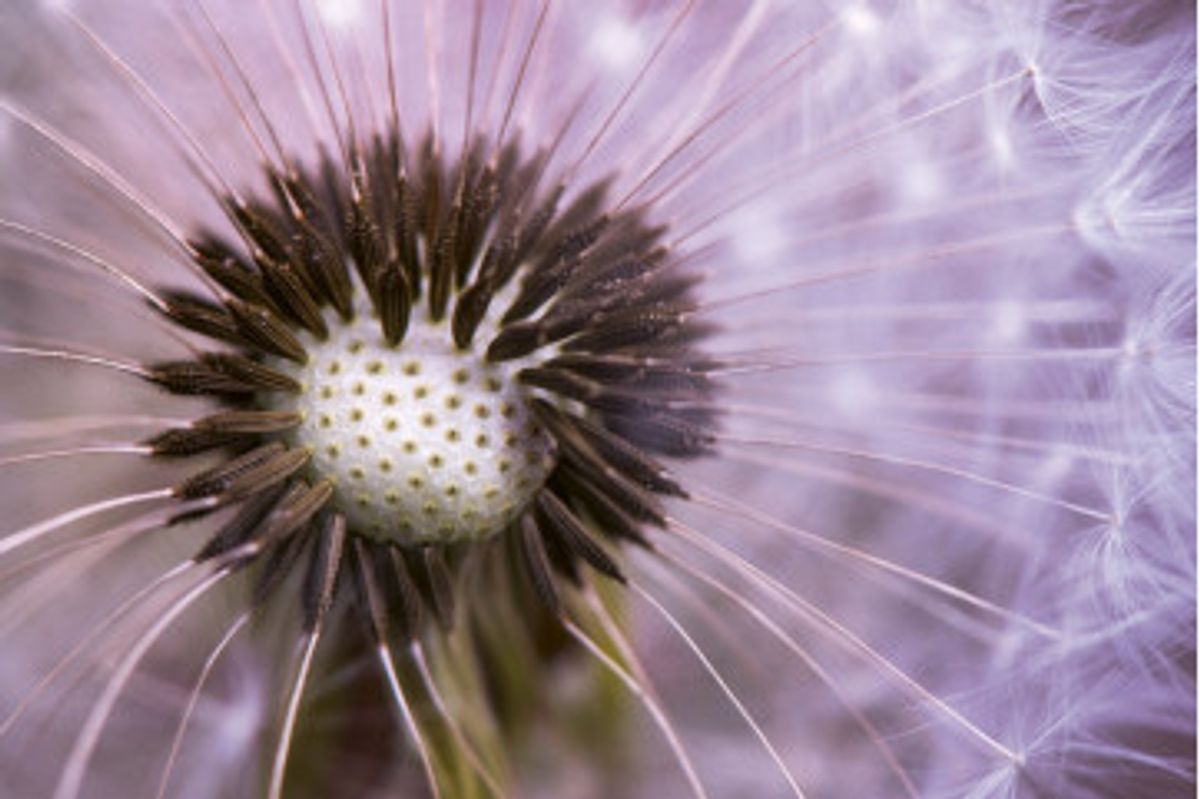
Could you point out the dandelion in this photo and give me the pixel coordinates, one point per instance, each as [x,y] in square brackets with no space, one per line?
[620,399]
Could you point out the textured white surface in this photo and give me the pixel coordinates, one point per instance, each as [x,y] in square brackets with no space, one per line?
[426,442]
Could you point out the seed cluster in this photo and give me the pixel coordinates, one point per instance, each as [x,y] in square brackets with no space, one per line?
[421,353]
[425,442]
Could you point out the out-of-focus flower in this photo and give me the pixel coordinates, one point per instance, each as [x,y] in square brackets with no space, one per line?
[875,320]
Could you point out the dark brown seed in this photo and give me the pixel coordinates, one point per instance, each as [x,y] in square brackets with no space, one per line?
[195,378]
[241,281]
[249,421]
[515,341]
[680,432]
[290,292]
[295,511]
[185,442]
[248,372]
[680,376]
[442,265]
[320,584]
[394,303]
[552,273]
[405,233]
[201,316]
[365,238]
[404,598]
[586,205]
[299,186]
[216,480]
[261,226]
[565,384]
[327,266]
[266,331]
[605,515]
[632,327]
[608,449]
[533,555]
[636,502]
[441,586]
[480,207]
[242,527]
[268,473]
[469,311]
[278,565]
[369,592]
[530,234]
[219,430]
[555,519]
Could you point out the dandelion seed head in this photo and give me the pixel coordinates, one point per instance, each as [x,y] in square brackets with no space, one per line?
[790,354]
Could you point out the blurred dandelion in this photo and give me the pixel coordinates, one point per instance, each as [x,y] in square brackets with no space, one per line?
[597,399]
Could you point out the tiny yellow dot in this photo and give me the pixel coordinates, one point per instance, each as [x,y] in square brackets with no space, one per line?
[364,441]
[481,441]
[335,367]
[470,468]
[428,419]
[453,435]
[492,384]
[436,461]
[356,414]
[421,392]
[325,421]
[506,410]
[452,491]
[357,473]
[462,376]
[453,402]
[510,440]
[326,392]
[358,389]
[415,481]
[482,412]
[409,446]
[356,346]
[333,450]
[412,368]
[503,466]
[374,367]
[390,425]
[491,493]
[429,508]
[363,500]
[385,465]
[389,398]
[392,497]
